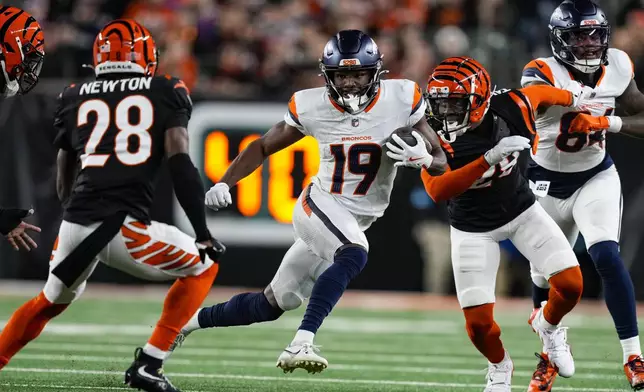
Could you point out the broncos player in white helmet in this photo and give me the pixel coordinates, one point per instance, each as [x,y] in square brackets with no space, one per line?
[571,172]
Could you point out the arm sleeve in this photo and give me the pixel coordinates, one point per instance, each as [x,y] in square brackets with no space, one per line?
[63,138]
[544,96]
[454,182]
[179,105]
[190,193]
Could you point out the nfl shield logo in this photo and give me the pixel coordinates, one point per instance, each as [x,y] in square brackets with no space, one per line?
[355,122]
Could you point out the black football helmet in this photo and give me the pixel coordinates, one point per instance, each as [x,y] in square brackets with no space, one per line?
[352,50]
[579,35]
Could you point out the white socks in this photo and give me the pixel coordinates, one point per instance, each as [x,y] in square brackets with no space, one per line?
[631,346]
[193,323]
[154,352]
[303,336]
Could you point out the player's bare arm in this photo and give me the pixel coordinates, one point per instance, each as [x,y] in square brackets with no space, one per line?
[280,136]
[439,163]
[632,102]
[66,164]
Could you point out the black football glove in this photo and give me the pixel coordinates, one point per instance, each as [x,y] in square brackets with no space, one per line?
[10,218]
[214,252]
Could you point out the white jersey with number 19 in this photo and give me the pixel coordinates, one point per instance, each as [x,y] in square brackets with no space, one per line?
[353,167]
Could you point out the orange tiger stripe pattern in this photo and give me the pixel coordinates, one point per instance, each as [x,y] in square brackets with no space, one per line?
[464,75]
[125,41]
[155,253]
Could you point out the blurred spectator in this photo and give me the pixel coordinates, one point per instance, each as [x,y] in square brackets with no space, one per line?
[265,49]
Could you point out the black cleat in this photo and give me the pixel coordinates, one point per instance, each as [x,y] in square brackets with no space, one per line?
[146,373]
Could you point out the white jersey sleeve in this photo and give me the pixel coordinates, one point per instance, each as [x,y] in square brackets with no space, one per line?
[292,117]
[413,97]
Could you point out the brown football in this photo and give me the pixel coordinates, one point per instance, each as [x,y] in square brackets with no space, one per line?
[405,134]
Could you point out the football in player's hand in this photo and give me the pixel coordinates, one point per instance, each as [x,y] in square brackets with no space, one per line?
[405,134]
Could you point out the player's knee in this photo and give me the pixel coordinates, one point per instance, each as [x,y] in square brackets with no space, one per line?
[479,320]
[289,301]
[539,280]
[475,296]
[568,283]
[605,256]
[57,293]
[284,299]
[353,257]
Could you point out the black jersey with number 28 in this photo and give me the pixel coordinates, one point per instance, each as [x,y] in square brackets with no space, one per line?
[115,126]
[502,193]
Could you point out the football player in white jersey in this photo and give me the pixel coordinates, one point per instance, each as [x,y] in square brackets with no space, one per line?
[351,118]
[571,172]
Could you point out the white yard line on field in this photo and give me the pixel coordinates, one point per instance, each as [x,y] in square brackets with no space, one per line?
[432,357]
[334,324]
[298,379]
[334,366]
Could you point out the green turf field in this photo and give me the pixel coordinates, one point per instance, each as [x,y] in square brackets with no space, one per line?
[89,347]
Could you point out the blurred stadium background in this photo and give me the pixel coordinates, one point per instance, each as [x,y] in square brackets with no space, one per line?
[243,59]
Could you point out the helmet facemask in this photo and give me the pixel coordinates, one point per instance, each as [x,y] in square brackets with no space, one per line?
[22,77]
[584,48]
[449,113]
[353,88]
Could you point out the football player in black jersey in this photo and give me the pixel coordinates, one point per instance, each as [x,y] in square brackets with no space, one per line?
[118,129]
[489,201]
[22,52]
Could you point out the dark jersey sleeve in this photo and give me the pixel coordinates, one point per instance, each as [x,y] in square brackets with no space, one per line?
[515,108]
[63,138]
[178,103]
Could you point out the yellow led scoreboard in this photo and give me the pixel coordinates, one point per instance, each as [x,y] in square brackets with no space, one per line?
[263,202]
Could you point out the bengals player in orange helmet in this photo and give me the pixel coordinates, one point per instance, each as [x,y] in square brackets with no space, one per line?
[484,133]
[120,128]
[21,56]
[22,51]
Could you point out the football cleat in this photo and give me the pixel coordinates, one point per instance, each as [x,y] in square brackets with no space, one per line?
[544,377]
[142,376]
[499,375]
[634,370]
[301,356]
[555,343]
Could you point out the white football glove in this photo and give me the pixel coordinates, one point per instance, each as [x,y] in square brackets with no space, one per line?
[218,196]
[580,94]
[505,147]
[411,156]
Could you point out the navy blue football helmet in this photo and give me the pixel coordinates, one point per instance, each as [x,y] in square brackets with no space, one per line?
[579,35]
[348,51]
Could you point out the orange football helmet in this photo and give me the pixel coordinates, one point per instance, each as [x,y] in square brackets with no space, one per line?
[458,96]
[125,46]
[21,53]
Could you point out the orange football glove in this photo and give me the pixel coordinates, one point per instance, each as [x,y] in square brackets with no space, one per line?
[586,123]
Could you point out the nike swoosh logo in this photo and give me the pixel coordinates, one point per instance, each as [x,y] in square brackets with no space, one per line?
[147,375]
[414,159]
[538,65]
